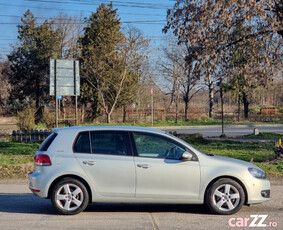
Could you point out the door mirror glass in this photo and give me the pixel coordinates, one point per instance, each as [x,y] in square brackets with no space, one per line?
[187,156]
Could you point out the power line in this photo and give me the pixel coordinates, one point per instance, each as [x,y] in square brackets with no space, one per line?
[89,11]
[160,5]
[73,23]
[115,3]
[75,10]
[44,8]
[81,21]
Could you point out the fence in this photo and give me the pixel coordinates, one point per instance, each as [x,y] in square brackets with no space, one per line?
[30,136]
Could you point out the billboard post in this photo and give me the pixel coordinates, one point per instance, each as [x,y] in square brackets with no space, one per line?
[64,81]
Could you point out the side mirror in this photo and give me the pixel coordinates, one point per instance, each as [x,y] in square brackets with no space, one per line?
[186,156]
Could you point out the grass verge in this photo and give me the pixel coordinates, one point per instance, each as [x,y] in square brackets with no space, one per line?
[16,159]
[264,135]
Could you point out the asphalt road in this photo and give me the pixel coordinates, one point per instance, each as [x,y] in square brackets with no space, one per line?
[19,209]
[229,130]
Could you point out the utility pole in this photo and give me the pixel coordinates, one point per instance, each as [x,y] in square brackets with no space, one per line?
[55,93]
[222,106]
[151,94]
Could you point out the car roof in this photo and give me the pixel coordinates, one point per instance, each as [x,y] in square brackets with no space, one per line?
[100,128]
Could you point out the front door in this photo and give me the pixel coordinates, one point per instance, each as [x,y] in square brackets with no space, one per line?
[161,173]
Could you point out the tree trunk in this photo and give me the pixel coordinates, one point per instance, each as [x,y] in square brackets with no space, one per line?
[211,95]
[186,108]
[83,113]
[239,107]
[124,114]
[108,117]
[177,107]
[246,105]
[222,108]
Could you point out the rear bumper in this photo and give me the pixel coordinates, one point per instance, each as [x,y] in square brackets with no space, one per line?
[36,186]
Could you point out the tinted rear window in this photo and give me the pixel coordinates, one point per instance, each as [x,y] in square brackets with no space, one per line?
[109,142]
[82,144]
[45,145]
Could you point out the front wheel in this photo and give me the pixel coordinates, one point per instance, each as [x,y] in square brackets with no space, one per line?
[69,196]
[225,197]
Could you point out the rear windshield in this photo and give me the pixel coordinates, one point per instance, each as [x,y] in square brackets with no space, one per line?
[45,145]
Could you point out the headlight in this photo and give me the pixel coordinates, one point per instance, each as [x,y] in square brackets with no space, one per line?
[257,173]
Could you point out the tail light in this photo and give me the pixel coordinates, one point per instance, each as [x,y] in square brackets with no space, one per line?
[42,160]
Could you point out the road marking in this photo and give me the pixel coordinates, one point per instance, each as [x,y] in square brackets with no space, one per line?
[155,226]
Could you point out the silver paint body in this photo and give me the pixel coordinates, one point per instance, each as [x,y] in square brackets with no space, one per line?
[132,179]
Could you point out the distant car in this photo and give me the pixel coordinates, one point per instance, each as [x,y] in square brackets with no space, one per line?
[79,165]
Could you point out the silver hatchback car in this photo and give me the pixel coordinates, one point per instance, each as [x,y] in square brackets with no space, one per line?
[79,165]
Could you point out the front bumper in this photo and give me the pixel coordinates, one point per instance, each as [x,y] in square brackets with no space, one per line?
[258,190]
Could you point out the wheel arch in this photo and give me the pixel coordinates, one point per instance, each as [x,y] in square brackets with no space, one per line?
[74,177]
[227,177]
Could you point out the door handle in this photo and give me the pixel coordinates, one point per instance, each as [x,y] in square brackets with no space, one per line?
[89,162]
[145,166]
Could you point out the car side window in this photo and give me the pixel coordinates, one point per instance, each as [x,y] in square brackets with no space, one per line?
[82,144]
[156,146]
[109,142]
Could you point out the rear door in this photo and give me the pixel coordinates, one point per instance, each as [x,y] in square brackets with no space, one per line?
[107,159]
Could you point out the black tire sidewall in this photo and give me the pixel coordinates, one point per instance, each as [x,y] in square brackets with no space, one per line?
[214,186]
[70,181]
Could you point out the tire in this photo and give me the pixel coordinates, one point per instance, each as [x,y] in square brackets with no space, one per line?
[225,197]
[69,196]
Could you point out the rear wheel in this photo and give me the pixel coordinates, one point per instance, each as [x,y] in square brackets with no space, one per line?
[225,197]
[69,196]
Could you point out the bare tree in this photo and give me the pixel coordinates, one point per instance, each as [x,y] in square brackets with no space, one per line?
[131,53]
[209,22]
[172,68]
[210,81]
[218,28]
[191,84]
[181,72]
[69,30]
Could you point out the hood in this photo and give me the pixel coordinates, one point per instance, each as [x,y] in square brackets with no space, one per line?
[232,161]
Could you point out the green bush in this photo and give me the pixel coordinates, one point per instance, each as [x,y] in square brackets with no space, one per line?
[26,119]
[49,119]
[204,118]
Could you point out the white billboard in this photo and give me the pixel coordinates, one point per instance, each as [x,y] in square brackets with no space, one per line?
[64,77]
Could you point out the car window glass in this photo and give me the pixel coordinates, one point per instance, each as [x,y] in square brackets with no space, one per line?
[109,142]
[151,145]
[45,145]
[82,144]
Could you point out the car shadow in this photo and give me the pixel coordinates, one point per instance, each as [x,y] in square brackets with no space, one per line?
[149,208]
[25,203]
[30,204]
